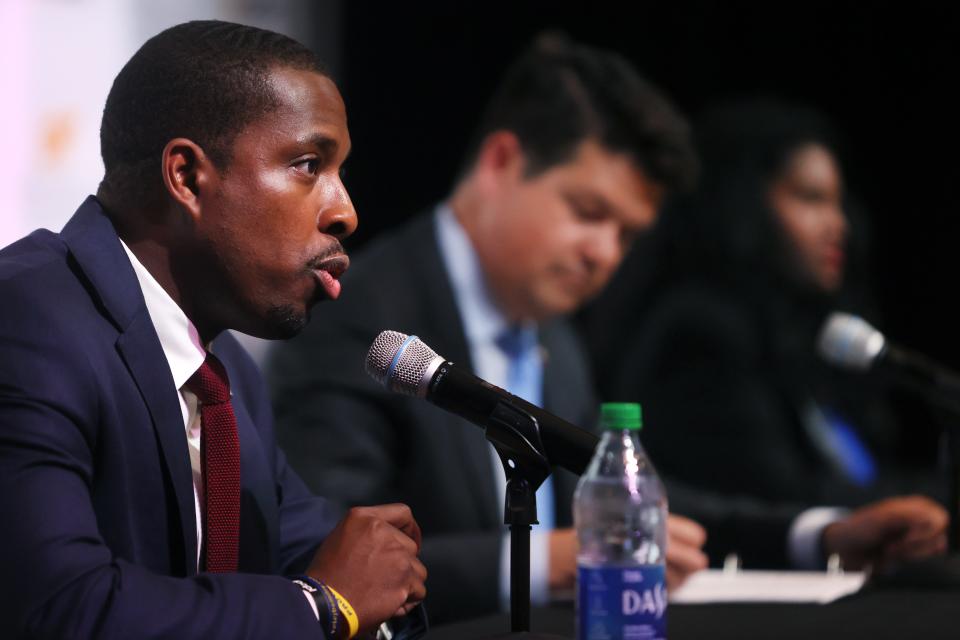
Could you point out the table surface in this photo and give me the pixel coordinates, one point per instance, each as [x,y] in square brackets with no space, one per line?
[873,614]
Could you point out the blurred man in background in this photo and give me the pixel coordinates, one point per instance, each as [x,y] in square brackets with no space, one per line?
[573,158]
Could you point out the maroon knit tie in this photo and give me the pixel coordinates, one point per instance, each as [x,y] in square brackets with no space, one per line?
[220,466]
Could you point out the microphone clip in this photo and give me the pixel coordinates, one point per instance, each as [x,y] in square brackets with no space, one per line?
[515,434]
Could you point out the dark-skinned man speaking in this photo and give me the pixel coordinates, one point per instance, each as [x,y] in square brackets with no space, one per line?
[143,492]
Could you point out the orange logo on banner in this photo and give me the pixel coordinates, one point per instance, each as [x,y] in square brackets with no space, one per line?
[57,133]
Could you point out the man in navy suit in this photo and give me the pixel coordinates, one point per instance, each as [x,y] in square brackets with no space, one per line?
[143,492]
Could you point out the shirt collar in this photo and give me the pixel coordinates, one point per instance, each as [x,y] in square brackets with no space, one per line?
[482,319]
[179,339]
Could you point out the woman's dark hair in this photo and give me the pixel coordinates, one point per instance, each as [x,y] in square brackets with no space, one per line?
[726,227]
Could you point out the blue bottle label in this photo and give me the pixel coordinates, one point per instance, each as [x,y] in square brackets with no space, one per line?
[621,603]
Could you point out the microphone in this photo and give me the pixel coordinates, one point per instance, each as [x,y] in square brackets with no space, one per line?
[405,364]
[852,343]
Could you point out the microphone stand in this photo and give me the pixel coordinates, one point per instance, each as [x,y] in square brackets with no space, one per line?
[952,465]
[941,387]
[515,434]
[940,572]
[951,434]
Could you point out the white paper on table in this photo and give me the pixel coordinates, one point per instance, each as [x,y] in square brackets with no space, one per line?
[714,585]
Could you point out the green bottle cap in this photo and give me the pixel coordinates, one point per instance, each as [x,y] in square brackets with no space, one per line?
[620,415]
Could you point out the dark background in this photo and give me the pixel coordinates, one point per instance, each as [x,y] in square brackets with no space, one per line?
[415,77]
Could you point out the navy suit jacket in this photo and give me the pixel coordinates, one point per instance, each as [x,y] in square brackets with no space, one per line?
[96,497]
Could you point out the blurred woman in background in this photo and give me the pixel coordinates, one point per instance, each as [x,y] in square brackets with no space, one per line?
[735,284]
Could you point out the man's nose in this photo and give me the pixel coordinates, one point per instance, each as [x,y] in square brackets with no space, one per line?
[338,217]
[839,225]
[605,248]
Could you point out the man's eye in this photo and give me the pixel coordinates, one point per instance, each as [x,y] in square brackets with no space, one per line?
[588,214]
[310,165]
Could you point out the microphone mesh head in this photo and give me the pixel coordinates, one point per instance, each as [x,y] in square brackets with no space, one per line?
[404,374]
[849,342]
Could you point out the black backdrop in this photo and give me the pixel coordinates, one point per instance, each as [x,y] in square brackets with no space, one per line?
[415,76]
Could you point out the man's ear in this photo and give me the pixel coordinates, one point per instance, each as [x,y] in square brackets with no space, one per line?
[187,174]
[499,158]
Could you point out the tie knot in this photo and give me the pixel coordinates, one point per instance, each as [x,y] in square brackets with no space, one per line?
[516,341]
[210,382]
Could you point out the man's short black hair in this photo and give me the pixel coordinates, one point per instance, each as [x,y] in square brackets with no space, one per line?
[558,94]
[203,80]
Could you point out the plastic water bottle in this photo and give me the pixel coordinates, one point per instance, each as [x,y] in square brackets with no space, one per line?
[620,513]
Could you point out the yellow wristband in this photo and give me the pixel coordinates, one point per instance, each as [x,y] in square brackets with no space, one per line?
[347,611]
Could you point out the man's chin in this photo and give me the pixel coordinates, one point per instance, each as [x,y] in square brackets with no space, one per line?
[284,322]
[543,310]
[560,303]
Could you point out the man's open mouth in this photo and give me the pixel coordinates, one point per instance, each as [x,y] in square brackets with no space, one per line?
[328,272]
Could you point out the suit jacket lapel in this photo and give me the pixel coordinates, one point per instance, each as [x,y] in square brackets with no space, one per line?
[567,394]
[94,245]
[448,339]
[259,535]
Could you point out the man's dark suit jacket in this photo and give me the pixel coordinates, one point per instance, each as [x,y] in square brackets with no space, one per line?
[355,442]
[99,535]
